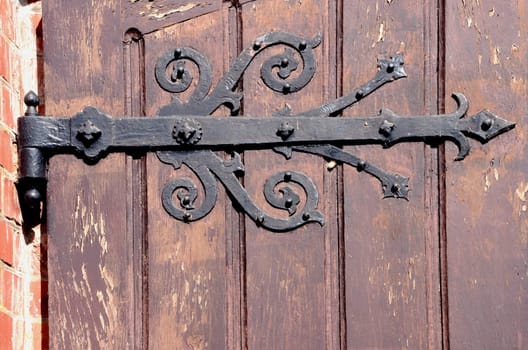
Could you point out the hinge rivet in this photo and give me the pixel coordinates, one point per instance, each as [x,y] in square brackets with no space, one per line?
[285,130]
[361,165]
[360,94]
[386,128]
[187,131]
[186,200]
[88,133]
[486,124]
[179,72]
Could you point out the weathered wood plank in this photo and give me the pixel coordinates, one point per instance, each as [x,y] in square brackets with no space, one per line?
[187,273]
[387,251]
[286,272]
[91,282]
[487,222]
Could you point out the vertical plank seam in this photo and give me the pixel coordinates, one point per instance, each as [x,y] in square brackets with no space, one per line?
[431,190]
[242,218]
[143,207]
[236,289]
[332,254]
[135,97]
[442,176]
[340,183]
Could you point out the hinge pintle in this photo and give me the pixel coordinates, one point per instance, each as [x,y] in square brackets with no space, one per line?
[31,184]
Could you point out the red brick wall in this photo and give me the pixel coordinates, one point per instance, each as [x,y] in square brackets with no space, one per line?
[23,276]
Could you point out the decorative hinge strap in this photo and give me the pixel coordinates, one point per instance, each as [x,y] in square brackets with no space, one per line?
[185,134]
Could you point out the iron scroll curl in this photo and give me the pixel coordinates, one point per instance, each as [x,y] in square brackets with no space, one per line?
[173,74]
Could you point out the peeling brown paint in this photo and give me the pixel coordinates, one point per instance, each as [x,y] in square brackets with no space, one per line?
[495,55]
[157,14]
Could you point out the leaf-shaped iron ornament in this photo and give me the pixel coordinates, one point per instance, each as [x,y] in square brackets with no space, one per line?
[184,133]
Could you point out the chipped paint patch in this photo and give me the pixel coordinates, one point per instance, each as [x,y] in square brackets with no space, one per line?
[495,56]
[196,342]
[331,165]
[491,174]
[159,15]
[487,183]
[381,34]
[522,191]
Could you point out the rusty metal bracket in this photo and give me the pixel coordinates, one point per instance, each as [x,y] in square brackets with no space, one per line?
[184,133]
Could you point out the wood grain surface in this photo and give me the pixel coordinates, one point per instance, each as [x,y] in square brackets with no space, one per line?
[487,231]
[446,269]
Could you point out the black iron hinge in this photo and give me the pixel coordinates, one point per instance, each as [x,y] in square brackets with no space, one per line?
[185,133]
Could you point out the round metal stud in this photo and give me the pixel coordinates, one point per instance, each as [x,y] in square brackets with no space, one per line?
[32,197]
[31,101]
[486,124]
[187,131]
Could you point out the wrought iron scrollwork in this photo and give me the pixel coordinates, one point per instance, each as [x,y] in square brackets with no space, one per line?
[205,163]
[275,72]
[186,190]
[173,76]
[185,133]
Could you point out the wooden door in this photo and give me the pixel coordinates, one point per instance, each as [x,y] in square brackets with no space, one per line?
[446,269]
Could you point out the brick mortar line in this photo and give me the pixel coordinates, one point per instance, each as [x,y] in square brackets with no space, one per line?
[11,222]
[18,317]
[21,274]
[12,132]
[8,174]
[13,138]
[5,81]
[11,269]
[8,40]
[31,276]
